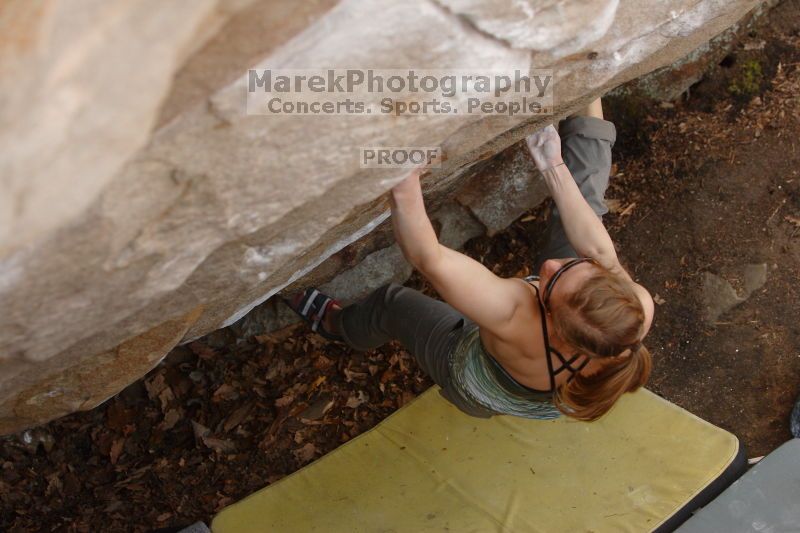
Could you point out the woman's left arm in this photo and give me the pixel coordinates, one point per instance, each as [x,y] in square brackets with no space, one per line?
[488,300]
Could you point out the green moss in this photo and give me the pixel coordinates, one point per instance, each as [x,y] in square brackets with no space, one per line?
[748,82]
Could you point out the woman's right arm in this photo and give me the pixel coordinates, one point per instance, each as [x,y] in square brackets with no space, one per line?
[584,229]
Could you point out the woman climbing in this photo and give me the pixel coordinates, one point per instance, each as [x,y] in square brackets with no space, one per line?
[567,341]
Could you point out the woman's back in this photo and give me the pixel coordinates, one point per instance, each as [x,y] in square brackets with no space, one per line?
[523,349]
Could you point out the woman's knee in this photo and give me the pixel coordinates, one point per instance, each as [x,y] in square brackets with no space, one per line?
[382,298]
[398,298]
[389,291]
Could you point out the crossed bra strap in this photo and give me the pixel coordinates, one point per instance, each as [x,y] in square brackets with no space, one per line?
[566,364]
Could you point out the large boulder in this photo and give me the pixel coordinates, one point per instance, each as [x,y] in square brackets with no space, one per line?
[141,207]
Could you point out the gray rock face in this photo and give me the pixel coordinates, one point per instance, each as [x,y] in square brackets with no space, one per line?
[455,226]
[141,207]
[378,268]
[552,27]
[518,187]
[75,106]
[719,296]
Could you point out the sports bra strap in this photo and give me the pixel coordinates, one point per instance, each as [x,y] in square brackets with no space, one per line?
[566,364]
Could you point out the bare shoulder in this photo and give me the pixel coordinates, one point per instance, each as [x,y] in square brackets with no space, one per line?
[524,293]
[647,304]
[524,297]
[644,296]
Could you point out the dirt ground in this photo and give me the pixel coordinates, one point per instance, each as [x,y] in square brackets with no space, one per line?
[708,184]
[716,187]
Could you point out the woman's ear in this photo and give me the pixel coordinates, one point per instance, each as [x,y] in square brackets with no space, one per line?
[648,306]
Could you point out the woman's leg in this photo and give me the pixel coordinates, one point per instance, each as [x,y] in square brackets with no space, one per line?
[586,142]
[425,326]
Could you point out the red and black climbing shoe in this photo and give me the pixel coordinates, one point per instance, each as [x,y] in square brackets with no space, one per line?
[312,306]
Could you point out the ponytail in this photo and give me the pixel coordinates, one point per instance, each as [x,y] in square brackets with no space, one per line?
[589,397]
[604,320]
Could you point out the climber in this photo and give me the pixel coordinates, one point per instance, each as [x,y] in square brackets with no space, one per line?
[568,341]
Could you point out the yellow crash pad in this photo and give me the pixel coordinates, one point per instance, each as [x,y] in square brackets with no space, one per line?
[428,467]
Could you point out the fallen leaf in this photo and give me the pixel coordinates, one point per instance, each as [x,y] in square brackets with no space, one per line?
[614,205]
[54,484]
[202,351]
[276,370]
[317,382]
[306,453]
[387,376]
[113,506]
[322,363]
[165,397]
[116,450]
[203,434]
[318,409]
[118,416]
[172,417]
[302,361]
[357,399]
[285,400]
[223,502]
[224,392]
[237,417]
[155,385]
[627,211]
[200,430]
[350,375]
[219,445]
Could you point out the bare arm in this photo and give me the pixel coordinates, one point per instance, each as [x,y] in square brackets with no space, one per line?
[584,229]
[488,300]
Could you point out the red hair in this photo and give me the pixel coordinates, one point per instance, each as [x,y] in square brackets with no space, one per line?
[603,319]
